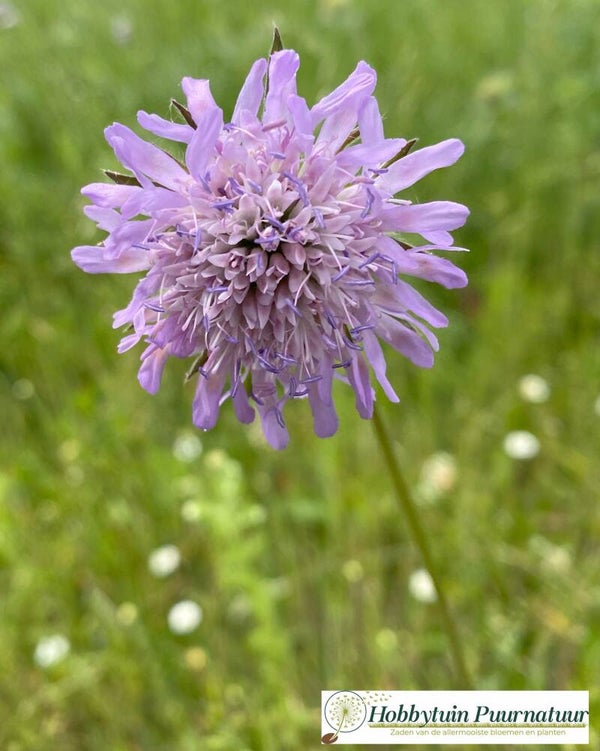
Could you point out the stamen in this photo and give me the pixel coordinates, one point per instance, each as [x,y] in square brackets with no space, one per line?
[319,217]
[330,318]
[352,344]
[286,358]
[291,305]
[364,327]
[235,186]
[269,367]
[299,185]
[222,288]
[360,283]
[369,204]
[311,379]
[340,274]
[225,205]
[274,222]
[204,181]
[270,242]
[370,260]
[292,387]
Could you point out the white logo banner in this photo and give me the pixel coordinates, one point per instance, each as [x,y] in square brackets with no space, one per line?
[452,717]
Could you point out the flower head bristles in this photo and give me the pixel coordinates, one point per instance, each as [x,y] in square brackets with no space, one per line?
[271,252]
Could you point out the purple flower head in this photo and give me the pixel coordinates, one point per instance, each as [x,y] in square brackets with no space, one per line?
[272,254]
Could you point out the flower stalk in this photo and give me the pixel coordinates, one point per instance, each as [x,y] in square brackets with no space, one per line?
[417,531]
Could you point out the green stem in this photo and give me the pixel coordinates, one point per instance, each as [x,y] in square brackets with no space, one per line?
[418,533]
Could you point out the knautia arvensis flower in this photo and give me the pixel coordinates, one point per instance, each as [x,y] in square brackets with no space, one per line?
[274,252]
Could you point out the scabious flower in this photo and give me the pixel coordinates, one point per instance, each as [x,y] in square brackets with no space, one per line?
[275,253]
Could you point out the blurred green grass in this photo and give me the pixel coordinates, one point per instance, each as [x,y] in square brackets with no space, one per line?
[299,560]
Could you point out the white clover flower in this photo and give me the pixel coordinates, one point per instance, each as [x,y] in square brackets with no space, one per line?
[164,561]
[184,617]
[521,444]
[533,388]
[121,29]
[50,650]
[9,16]
[438,477]
[421,586]
[187,447]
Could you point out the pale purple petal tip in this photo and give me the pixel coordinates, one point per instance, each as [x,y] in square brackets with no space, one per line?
[205,407]
[324,415]
[91,258]
[165,128]
[201,146]
[358,375]
[241,404]
[252,91]
[351,94]
[151,370]
[274,428]
[199,97]
[411,168]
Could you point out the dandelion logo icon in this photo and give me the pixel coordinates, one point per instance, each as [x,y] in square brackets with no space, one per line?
[345,711]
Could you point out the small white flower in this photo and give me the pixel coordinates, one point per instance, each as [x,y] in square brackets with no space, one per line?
[533,388]
[50,650]
[121,29]
[421,586]
[187,447]
[521,444]
[9,16]
[164,560]
[438,476]
[184,617]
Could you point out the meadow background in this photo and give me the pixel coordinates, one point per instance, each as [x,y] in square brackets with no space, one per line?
[299,560]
